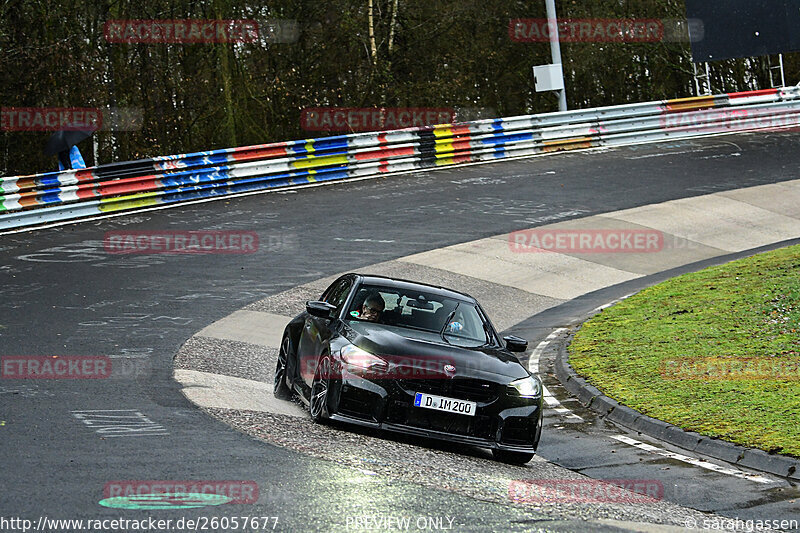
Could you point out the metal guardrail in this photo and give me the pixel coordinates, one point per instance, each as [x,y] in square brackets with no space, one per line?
[55,196]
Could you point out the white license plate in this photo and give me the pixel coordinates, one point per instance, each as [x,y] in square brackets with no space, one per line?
[448,405]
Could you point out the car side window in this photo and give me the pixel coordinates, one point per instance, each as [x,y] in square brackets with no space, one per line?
[327,294]
[339,293]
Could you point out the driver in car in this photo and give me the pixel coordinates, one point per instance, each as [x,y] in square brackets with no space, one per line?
[372,308]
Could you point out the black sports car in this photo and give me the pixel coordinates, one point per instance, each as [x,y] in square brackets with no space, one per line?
[411,358]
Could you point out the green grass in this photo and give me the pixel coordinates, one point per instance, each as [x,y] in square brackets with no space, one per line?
[746,309]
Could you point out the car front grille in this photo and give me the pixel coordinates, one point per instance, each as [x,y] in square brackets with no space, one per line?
[474,390]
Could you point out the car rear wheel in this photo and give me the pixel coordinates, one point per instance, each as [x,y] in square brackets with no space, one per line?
[320,386]
[514,458]
[282,390]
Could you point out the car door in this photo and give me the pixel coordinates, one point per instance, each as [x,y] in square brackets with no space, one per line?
[317,332]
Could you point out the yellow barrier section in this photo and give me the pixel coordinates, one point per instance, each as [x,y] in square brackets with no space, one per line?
[576,143]
[688,104]
[322,161]
[131,201]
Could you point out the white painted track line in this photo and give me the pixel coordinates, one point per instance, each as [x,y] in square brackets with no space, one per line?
[533,367]
[533,362]
[691,460]
[609,304]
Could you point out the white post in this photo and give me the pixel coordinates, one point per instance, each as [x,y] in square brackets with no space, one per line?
[555,49]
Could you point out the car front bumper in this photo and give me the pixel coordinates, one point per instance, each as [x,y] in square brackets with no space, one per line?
[501,422]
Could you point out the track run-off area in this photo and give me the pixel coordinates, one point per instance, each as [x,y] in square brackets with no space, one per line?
[64,294]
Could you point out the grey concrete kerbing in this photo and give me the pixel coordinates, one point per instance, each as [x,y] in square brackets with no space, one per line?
[624,416]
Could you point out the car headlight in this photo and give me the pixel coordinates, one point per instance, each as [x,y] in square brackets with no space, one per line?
[360,361]
[529,387]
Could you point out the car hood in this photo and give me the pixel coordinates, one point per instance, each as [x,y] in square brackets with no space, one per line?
[411,349]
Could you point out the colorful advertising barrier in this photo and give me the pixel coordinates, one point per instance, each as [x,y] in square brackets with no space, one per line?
[160,181]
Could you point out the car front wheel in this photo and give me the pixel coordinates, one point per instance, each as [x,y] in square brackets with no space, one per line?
[282,390]
[320,386]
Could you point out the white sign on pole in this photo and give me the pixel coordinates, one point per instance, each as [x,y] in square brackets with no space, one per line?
[548,77]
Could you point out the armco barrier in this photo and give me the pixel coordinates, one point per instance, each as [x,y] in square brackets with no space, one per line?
[164,180]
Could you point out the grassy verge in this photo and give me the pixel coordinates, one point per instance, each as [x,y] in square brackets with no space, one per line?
[715,351]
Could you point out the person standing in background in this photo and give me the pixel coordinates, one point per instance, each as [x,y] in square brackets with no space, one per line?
[70,159]
[63,144]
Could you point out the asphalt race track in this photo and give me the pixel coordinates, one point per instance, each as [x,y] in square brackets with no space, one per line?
[63,294]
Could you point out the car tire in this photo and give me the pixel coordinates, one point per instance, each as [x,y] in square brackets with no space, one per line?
[282,390]
[514,458]
[320,387]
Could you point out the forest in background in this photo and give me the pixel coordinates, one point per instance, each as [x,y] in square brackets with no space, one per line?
[415,53]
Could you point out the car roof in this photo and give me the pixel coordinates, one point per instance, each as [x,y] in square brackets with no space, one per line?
[398,283]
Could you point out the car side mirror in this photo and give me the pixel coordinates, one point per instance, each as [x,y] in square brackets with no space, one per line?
[515,344]
[320,309]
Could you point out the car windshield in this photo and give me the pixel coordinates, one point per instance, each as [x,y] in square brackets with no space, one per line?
[457,322]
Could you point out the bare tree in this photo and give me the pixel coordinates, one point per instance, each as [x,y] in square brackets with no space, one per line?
[393,24]
[372,45]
